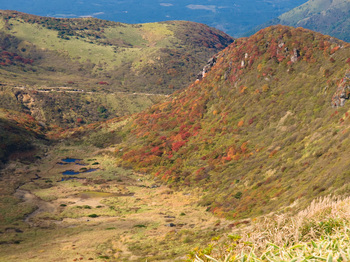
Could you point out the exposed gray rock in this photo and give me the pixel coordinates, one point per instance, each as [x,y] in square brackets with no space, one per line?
[211,62]
[343,91]
[296,54]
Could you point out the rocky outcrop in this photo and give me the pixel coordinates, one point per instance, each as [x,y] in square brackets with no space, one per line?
[343,91]
[294,57]
[28,102]
[211,62]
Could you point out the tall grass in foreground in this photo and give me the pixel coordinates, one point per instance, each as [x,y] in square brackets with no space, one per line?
[321,232]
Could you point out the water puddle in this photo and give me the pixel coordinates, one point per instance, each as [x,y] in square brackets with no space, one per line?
[66,161]
[71,160]
[70,172]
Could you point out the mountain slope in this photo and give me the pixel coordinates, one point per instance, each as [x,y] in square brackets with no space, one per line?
[329,17]
[258,132]
[20,135]
[71,106]
[155,58]
[68,72]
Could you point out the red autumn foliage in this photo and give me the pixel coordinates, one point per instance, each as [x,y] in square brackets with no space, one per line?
[177,145]
[9,58]
[189,135]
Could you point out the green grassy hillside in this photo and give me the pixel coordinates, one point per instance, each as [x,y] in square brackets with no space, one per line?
[259,132]
[71,106]
[156,58]
[68,72]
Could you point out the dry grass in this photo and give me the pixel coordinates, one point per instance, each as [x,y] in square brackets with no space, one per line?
[318,233]
[133,215]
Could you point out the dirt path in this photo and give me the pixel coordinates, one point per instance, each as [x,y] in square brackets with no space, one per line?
[76,90]
[42,206]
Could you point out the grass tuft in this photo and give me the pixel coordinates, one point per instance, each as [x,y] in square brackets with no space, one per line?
[321,232]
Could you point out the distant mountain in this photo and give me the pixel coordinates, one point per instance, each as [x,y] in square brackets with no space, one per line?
[259,132]
[232,17]
[330,17]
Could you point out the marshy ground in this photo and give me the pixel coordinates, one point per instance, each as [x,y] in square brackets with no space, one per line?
[109,214]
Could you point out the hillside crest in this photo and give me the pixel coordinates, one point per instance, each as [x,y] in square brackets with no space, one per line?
[255,130]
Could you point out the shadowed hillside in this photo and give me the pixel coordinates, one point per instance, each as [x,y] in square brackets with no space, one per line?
[19,135]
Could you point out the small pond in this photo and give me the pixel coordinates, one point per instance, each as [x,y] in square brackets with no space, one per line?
[70,160]
[70,172]
[67,160]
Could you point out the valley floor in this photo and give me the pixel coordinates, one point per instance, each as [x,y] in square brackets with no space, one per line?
[108,214]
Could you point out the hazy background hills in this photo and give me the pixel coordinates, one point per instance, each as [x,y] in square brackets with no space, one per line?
[330,17]
[233,17]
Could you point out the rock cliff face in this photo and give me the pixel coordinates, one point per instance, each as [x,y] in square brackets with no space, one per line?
[211,62]
[28,102]
[343,91]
